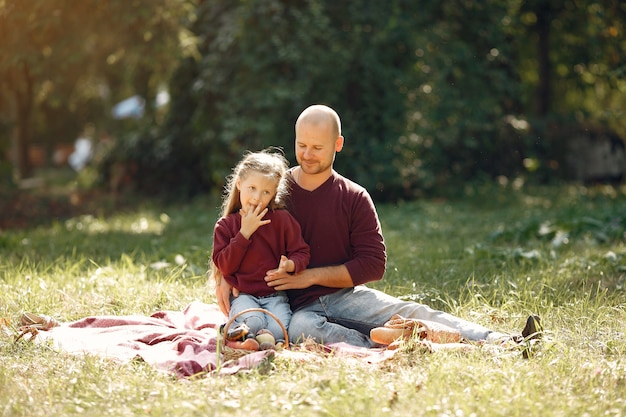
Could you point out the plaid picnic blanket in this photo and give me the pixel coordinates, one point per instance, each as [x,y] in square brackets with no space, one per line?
[184,343]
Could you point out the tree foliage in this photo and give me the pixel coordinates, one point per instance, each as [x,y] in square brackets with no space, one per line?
[430,93]
[469,88]
[262,63]
[65,63]
[500,80]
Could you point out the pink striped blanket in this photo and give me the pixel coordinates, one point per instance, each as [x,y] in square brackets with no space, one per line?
[180,342]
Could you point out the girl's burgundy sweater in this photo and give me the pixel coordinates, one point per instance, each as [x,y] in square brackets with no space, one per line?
[244,262]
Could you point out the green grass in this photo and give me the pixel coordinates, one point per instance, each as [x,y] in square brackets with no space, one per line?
[494,256]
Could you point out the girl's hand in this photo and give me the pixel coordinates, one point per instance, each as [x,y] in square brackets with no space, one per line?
[252,219]
[285,265]
[282,275]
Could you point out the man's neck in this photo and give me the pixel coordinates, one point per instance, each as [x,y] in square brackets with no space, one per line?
[310,182]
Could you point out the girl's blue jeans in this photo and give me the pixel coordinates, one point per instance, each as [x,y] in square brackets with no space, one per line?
[277,304]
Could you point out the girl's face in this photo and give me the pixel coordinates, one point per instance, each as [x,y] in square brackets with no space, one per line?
[256,190]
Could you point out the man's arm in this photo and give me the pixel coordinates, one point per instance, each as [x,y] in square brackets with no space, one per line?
[327,276]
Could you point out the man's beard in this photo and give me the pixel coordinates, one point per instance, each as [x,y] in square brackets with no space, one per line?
[313,169]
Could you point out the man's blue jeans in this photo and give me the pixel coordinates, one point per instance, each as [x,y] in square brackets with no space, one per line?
[277,304]
[349,314]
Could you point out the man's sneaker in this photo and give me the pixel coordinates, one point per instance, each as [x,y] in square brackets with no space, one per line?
[533,329]
[532,333]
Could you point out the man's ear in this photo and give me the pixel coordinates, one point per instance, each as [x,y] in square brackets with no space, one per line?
[339,144]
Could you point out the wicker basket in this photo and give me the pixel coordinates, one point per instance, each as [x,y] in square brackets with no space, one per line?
[228,352]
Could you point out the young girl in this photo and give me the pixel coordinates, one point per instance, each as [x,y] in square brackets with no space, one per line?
[254,235]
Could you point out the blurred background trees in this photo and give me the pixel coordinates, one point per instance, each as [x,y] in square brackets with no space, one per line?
[65,63]
[431,94]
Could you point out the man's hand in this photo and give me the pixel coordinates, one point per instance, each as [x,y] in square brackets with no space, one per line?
[252,219]
[222,293]
[329,276]
[281,280]
[281,277]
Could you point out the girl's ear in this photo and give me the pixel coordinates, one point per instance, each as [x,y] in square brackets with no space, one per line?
[238,185]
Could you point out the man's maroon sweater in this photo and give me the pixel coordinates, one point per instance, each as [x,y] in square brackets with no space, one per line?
[341,226]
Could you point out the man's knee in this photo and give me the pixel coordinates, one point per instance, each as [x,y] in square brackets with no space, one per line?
[304,325]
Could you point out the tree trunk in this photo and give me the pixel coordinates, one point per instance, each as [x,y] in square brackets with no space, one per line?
[21,109]
[20,138]
[543,94]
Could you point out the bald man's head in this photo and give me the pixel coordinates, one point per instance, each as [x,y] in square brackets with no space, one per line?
[319,114]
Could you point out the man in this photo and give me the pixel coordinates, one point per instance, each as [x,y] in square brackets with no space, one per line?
[340,223]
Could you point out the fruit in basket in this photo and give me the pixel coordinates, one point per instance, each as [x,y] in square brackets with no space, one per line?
[266,339]
[236,333]
[248,344]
